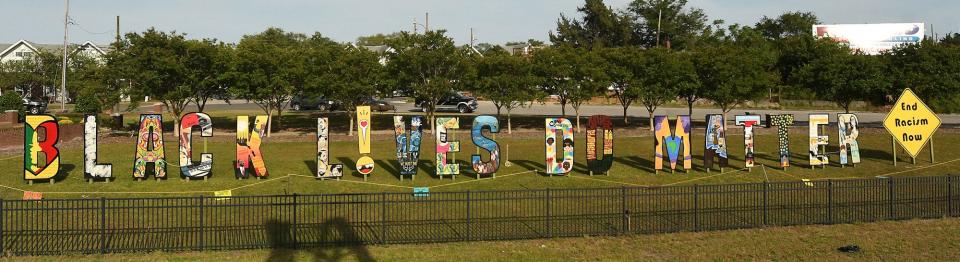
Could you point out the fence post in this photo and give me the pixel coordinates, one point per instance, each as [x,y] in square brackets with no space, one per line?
[890,198]
[468,216]
[103,225]
[383,217]
[829,201]
[200,239]
[950,195]
[549,222]
[1,228]
[696,207]
[624,221]
[766,187]
[296,242]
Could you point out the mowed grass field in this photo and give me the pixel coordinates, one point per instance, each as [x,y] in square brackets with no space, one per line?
[913,240]
[291,161]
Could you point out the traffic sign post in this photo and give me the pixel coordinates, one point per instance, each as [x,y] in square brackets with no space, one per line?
[911,124]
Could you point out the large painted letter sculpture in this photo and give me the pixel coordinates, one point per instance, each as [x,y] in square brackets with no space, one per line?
[249,156]
[748,122]
[34,145]
[783,136]
[848,138]
[676,141]
[564,164]
[187,122]
[324,168]
[818,156]
[365,163]
[408,143]
[491,146]
[599,123]
[150,147]
[90,167]
[715,146]
[445,144]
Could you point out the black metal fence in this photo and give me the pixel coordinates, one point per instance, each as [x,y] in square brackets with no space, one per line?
[294,221]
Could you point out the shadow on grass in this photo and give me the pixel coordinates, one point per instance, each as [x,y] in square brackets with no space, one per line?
[332,240]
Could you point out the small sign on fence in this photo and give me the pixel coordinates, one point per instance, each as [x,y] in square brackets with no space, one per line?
[223,194]
[30,195]
[421,191]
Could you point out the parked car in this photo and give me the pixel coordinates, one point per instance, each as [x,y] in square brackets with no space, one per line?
[378,105]
[321,103]
[35,107]
[455,101]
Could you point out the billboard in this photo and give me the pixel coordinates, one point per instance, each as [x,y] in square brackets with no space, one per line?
[872,38]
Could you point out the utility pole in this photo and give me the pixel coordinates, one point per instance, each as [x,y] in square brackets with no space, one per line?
[471,37]
[63,78]
[414,25]
[118,31]
[426,26]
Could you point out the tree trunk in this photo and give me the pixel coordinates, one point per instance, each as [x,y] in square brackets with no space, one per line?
[650,115]
[269,119]
[509,123]
[279,118]
[563,108]
[350,129]
[577,112]
[625,118]
[689,107]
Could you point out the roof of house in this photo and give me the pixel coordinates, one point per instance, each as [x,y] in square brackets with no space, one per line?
[53,48]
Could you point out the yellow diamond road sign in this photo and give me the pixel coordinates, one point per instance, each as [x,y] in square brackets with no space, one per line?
[911,122]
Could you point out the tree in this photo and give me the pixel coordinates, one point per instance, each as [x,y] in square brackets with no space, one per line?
[731,75]
[600,26]
[506,80]
[930,70]
[661,77]
[352,77]
[573,75]
[376,39]
[210,73]
[621,65]
[157,68]
[32,74]
[270,66]
[787,25]
[666,22]
[428,64]
[951,39]
[845,78]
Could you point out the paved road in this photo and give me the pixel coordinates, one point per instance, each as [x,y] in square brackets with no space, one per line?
[487,107]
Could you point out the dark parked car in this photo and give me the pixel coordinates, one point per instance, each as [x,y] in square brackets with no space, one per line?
[378,105]
[452,102]
[307,103]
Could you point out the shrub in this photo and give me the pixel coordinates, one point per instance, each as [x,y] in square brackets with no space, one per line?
[87,104]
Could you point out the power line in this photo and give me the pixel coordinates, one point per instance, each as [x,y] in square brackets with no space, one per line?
[74,22]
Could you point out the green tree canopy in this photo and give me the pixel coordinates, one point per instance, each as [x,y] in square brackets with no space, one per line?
[270,66]
[600,26]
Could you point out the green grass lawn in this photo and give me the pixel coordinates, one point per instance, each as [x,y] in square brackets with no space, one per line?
[290,160]
[914,240]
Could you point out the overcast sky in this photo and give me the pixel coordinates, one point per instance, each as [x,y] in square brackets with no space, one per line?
[494,21]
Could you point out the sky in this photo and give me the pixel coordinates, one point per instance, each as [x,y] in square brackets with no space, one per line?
[493,21]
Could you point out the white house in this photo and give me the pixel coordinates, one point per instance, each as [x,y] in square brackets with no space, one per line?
[24,49]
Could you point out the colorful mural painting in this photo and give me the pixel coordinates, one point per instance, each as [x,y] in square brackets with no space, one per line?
[818,143]
[564,164]
[715,147]
[782,122]
[599,162]
[847,127]
[446,144]
[408,143]
[41,157]
[90,167]
[325,170]
[150,148]
[187,167]
[249,156]
[365,163]
[491,146]
[748,122]
[675,142]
